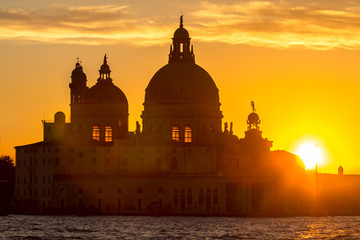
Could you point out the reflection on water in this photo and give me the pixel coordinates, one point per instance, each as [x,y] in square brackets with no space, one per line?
[124,227]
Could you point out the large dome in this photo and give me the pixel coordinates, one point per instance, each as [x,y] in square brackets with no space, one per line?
[106,91]
[182,82]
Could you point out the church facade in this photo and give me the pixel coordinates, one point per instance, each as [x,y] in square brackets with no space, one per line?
[182,160]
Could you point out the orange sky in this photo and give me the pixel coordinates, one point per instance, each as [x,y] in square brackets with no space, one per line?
[298,62]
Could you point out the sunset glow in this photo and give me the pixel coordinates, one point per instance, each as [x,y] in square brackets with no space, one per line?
[310,154]
[297,60]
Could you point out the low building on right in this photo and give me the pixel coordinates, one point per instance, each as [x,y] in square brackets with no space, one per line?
[338,194]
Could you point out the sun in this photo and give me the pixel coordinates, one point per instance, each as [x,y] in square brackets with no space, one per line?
[310,154]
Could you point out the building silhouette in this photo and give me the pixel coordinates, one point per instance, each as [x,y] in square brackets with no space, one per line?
[182,159]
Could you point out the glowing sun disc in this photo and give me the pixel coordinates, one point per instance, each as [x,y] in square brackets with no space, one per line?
[310,154]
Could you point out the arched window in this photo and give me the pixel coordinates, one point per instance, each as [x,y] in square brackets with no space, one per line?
[208,199]
[175,133]
[188,134]
[99,203]
[108,133]
[119,204]
[174,164]
[189,197]
[81,191]
[216,197]
[139,190]
[201,196]
[96,132]
[176,197]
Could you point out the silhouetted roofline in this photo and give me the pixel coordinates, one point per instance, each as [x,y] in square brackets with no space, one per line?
[53,142]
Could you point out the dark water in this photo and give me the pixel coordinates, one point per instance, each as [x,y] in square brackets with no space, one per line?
[120,227]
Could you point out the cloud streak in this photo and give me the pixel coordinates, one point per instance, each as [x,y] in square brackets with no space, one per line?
[280,24]
[107,24]
[270,23]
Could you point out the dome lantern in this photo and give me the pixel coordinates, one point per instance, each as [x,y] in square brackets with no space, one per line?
[105,70]
[180,50]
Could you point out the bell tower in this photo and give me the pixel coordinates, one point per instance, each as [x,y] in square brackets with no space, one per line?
[78,84]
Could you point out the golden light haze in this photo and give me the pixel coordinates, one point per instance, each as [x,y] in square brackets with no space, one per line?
[298,61]
[310,154]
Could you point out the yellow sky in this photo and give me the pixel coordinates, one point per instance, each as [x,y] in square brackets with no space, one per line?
[298,62]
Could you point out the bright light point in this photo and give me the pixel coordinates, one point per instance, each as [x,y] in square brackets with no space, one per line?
[310,154]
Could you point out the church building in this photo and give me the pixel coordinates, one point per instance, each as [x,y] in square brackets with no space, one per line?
[182,159]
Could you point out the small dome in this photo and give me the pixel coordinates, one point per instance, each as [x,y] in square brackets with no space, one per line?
[181,33]
[59,117]
[106,91]
[78,74]
[105,68]
[253,118]
[182,82]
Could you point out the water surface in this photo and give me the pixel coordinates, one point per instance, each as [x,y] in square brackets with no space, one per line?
[140,227]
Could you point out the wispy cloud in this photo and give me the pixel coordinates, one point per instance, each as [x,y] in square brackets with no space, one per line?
[273,23]
[105,24]
[280,24]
